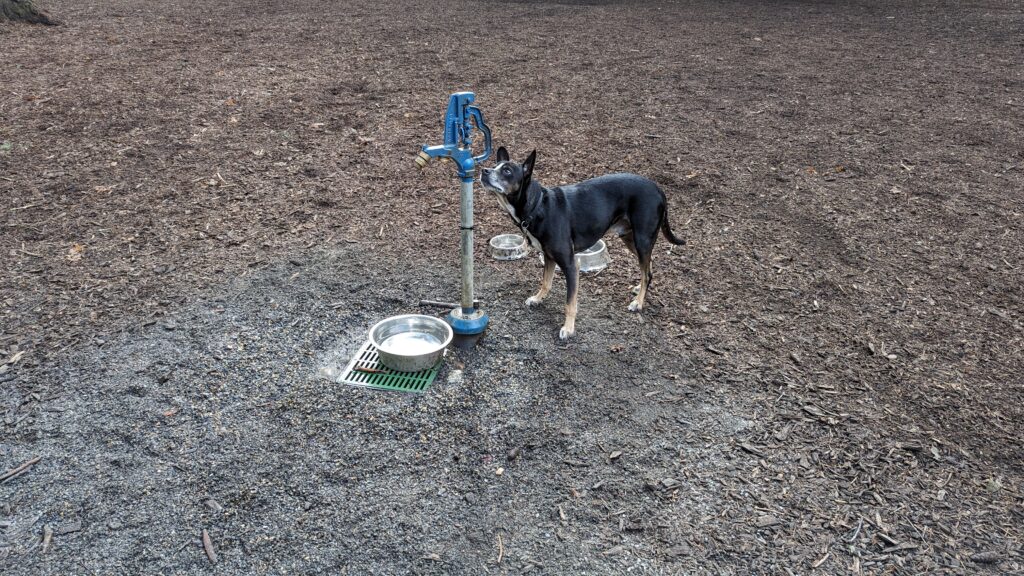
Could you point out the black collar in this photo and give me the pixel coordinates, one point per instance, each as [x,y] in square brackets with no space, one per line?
[530,206]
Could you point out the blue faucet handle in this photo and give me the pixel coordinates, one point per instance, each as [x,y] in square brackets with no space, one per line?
[456,126]
[459,121]
[478,119]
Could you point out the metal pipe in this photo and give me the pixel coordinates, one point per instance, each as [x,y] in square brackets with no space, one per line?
[466,208]
[448,305]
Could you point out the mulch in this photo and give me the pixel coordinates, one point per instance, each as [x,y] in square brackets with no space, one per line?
[848,179]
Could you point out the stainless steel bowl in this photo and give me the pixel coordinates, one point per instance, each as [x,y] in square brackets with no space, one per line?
[593,259]
[411,342]
[508,247]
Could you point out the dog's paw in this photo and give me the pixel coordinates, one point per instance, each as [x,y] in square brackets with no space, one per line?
[533,301]
[636,289]
[565,333]
[635,306]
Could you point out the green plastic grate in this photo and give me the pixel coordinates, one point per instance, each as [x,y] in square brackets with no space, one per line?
[382,377]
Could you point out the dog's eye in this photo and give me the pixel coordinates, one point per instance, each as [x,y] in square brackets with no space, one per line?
[506,171]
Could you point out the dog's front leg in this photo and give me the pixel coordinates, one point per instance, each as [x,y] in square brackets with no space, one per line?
[572,276]
[545,283]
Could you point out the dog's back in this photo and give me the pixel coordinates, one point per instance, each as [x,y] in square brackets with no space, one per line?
[618,202]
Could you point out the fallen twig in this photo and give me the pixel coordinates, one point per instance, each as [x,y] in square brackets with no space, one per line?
[860,524]
[15,472]
[208,547]
[47,537]
[501,549]
[369,370]
[990,557]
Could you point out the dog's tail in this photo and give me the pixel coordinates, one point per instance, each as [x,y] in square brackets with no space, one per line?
[667,230]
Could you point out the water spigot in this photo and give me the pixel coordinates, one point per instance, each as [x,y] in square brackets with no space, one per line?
[460,119]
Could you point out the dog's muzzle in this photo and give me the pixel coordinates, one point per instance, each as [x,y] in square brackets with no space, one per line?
[485,179]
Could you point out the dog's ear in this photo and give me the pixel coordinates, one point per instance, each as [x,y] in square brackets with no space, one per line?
[502,154]
[528,166]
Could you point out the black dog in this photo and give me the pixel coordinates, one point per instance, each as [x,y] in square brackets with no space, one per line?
[567,219]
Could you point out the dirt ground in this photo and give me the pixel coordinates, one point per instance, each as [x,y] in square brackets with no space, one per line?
[202,207]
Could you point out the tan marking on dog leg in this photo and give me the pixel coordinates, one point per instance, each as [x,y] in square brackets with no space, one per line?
[645,277]
[545,283]
[569,328]
[627,239]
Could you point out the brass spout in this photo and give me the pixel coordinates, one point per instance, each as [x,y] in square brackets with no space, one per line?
[421,160]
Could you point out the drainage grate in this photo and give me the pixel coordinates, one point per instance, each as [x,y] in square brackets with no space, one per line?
[382,377]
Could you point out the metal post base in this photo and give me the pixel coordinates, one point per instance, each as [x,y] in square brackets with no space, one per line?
[463,324]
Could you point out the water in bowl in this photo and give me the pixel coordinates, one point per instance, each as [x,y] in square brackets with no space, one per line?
[410,344]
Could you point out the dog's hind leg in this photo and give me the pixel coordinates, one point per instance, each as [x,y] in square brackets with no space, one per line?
[645,251]
[545,283]
[645,281]
[627,239]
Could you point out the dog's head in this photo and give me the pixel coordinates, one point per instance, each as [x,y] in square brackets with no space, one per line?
[507,177]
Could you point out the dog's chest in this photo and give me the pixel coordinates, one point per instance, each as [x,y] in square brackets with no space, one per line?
[533,241]
[512,212]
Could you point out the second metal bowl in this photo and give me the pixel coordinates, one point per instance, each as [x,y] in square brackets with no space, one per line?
[508,247]
[593,259]
[411,342]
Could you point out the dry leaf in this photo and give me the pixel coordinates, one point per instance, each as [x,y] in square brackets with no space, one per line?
[75,252]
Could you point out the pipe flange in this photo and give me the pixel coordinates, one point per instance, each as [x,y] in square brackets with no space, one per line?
[466,324]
